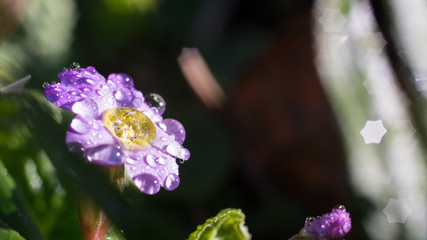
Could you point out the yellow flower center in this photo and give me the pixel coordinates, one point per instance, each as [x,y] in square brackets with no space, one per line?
[131,127]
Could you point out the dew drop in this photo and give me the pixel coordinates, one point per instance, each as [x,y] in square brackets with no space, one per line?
[75,66]
[45,84]
[79,125]
[173,128]
[174,149]
[131,160]
[341,207]
[161,160]
[156,101]
[147,183]
[90,81]
[309,220]
[171,182]
[124,95]
[86,107]
[185,154]
[150,160]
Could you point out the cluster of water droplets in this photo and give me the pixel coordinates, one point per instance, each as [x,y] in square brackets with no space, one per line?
[331,225]
[153,169]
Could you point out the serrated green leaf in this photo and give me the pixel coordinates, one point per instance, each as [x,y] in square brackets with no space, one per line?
[9,234]
[228,224]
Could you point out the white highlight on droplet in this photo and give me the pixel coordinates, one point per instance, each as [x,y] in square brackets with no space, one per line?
[397,210]
[332,20]
[373,131]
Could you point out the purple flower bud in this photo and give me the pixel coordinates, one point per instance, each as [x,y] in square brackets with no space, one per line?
[333,225]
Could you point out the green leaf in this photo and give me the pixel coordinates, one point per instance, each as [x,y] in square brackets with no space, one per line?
[8,234]
[114,234]
[7,205]
[228,224]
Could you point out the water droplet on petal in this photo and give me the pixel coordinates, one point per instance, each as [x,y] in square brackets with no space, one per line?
[174,149]
[86,107]
[173,128]
[185,154]
[171,182]
[131,160]
[75,66]
[79,125]
[309,220]
[105,154]
[90,81]
[161,160]
[147,183]
[341,207]
[124,95]
[156,101]
[150,160]
[45,84]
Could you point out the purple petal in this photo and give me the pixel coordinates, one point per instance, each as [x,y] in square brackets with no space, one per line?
[62,96]
[85,86]
[88,134]
[151,168]
[168,145]
[107,155]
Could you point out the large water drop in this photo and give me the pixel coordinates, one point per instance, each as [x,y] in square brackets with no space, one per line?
[156,101]
[174,128]
[171,182]
[123,96]
[147,183]
[87,108]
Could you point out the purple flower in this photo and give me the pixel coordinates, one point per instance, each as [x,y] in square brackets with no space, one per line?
[333,225]
[116,124]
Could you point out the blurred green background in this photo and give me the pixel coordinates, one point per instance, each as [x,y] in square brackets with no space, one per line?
[279,147]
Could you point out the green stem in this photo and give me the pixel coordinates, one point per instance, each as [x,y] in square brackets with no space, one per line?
[94,222]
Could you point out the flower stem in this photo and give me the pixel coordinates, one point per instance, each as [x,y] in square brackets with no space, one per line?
[94,223]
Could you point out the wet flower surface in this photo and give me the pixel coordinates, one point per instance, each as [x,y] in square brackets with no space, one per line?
[116,124]
[333,225]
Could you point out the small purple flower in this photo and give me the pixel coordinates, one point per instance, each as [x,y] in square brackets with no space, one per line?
[116,124]
[333,225]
